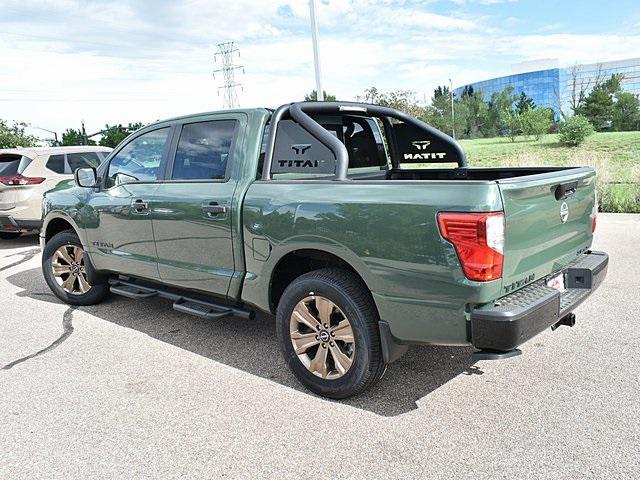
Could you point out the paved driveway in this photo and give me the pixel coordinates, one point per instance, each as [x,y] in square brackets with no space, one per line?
[133,389]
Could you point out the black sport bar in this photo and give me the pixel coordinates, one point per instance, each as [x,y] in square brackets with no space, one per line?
[298,112]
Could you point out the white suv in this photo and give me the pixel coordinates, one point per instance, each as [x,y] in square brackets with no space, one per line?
[26,173]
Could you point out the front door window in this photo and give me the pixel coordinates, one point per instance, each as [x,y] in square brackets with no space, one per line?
[139,160]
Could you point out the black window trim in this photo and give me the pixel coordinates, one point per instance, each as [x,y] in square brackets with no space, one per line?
[104,172]
[174,148]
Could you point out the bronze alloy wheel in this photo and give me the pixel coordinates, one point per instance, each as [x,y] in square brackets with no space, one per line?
[322,337]
[67,264]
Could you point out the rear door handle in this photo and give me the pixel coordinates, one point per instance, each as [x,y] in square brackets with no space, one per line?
[214,210]
[140,206]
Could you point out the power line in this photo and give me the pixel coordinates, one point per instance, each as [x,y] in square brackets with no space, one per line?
[225,53]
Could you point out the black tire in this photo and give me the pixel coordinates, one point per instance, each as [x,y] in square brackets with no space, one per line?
[96,294]
[9,235]
[347,291]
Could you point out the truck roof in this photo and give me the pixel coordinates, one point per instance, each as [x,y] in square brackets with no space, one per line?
[35,151]
[213,112]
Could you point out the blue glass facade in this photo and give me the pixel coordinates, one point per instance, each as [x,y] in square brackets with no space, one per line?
[556,87]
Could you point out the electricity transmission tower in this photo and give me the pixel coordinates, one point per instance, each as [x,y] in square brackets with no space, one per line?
[225,54]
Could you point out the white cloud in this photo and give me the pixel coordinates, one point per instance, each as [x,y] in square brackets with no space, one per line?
[141,60]
[495,2]
[550,27]
[483,2]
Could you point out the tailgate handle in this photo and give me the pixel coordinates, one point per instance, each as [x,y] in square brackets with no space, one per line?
[565,190]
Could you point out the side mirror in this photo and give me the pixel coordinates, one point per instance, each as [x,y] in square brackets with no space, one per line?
[86,177]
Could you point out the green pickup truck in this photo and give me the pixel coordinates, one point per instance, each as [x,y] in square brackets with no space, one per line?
[360,227]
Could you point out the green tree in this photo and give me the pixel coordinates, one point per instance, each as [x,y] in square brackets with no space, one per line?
[313,96]
[14,135]
[476,109]
[524,103]
[536,121]
[114,134]
[440,111]
[512,120]
[402,100]
[501,119]
[626,112]
[598,106]
[575,130]
[71,137]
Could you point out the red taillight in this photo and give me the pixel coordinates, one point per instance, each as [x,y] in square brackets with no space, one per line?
[479,242]
[20,180]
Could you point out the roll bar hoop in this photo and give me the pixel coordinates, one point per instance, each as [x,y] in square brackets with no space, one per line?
[299,113]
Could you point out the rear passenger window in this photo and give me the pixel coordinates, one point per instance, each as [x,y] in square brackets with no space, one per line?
[56,163]
[74,161]
[203,150]
[82,160]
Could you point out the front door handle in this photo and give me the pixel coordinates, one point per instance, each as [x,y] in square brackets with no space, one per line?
[140,206]
[214,210]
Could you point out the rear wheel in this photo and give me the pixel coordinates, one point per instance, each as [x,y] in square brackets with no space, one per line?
[64,269]
[328,333]
[9,235]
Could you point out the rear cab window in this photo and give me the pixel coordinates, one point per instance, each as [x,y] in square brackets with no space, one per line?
[204,150]
[298,155]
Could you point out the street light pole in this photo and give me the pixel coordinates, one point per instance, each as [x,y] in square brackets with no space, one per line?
[55,134]
[453,112]
[316,49]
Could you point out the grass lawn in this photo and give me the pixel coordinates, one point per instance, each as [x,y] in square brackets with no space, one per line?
[614,155]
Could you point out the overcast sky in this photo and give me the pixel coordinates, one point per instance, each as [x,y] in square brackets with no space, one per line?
[141,60]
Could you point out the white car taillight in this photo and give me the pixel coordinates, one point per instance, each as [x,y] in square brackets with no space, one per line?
[20,180]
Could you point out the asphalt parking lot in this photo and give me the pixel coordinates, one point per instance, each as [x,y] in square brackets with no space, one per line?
[132,389]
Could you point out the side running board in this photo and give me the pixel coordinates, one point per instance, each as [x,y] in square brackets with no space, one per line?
[210,310]
[200,309]
[132,291]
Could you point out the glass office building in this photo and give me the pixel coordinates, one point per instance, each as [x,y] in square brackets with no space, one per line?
[554,87]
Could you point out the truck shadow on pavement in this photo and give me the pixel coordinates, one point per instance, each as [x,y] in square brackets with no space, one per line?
[251,346]
[26,240]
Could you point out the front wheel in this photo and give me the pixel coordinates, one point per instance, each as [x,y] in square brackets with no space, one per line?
[328,333]
[63,266]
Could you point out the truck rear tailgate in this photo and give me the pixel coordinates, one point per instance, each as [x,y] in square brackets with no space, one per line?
[548,221]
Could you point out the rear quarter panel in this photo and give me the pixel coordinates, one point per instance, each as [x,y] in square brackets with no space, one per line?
[387,231]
